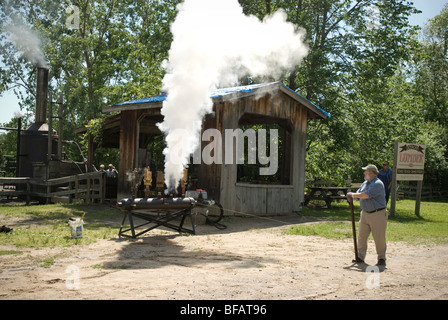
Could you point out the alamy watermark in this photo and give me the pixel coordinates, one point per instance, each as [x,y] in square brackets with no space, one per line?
[73,280]
[72,21]
[373,280]
[229,148]
[373,19]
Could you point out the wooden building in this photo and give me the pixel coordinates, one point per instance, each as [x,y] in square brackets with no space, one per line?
[269,103]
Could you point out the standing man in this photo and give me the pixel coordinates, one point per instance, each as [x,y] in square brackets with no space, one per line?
[385,175]
[111,172]
[373,215]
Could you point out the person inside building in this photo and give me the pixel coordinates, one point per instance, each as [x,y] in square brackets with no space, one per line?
[111,172]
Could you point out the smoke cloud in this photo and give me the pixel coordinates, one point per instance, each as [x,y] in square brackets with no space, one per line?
[27,42]
[215,44]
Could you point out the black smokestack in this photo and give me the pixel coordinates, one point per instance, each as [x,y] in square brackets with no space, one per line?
[41,94]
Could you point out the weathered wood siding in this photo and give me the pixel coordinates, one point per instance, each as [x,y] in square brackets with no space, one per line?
[220,180]
[128,148]
[263,199]
[209,175]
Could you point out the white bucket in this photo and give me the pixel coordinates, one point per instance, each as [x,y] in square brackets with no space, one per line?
[76,228]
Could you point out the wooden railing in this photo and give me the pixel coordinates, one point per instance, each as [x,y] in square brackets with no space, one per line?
[428,192]
[89,187]
[410,191]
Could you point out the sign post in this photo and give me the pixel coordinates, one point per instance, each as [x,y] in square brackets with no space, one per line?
[409,164]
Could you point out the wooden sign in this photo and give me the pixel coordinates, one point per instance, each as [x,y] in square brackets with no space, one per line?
[410,161]
[409,164]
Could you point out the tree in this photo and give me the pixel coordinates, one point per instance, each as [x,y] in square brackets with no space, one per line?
[113,53]
[432,70]
[431,85]
[356,46]
[366,67]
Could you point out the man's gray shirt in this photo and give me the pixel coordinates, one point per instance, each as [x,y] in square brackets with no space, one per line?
[377,197]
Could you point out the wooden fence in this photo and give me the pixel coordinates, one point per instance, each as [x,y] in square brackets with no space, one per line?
[88,187]
[428,192]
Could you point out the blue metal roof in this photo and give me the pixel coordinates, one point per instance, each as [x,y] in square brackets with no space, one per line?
[241,89]
[215,94]
[220,93]
[159,98]
[325,112]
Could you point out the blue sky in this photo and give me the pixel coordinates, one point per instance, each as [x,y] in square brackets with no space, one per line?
[429,8]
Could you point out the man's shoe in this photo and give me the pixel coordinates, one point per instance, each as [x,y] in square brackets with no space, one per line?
[358,260]
[381,262]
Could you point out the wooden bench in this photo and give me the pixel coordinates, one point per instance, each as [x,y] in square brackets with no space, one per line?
[327,194]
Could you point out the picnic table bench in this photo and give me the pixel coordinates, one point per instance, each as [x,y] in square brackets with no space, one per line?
[327,194]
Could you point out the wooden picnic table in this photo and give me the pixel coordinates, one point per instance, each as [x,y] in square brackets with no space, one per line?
[327,194]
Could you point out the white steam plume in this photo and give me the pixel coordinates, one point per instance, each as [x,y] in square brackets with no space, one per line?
[214,44]
[27,42]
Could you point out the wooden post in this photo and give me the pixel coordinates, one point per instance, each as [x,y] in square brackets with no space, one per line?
[76,187]
[102,187]
[70,195]
[28,191]
[393,191]
[88,188]
[418,197]
[127,151]
[184,180]
[60,127]
[19,132]
[90,146]
[50,141]
[160,180]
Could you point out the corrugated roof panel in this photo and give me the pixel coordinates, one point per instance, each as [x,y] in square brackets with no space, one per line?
[215,94]
[241,89]
[221,93]
[325,112]
[159,98]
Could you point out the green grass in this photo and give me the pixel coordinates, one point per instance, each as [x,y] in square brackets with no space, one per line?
[430,228]
[47,263]
[7,252]
[39,226]
[331,230]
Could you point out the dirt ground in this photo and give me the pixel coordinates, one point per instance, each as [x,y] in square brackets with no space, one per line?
[252,259]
